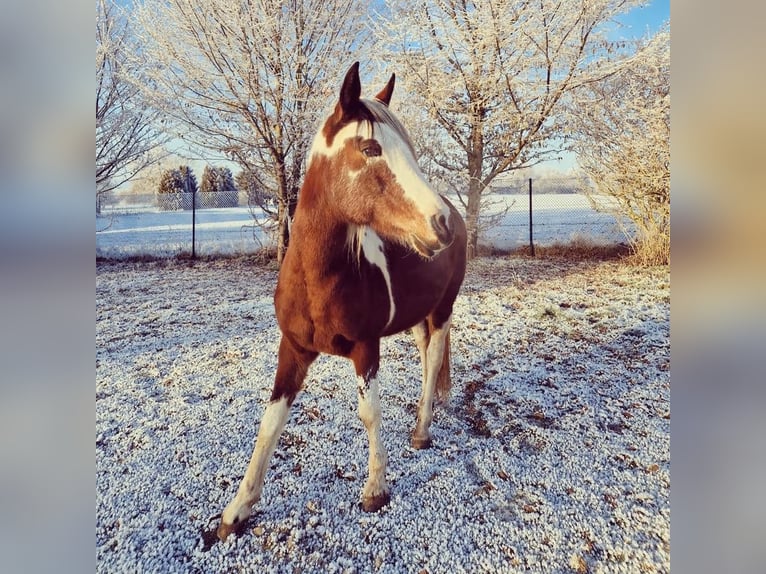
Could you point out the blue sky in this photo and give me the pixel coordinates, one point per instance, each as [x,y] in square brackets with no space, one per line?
[637,23]
[640,21]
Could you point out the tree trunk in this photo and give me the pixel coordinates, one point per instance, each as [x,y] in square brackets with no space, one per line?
[285,214]
[283,211]
[472,217]
[475,187]
[283,233]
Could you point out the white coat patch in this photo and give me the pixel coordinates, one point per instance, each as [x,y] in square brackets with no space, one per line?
[367,243]
[397,152]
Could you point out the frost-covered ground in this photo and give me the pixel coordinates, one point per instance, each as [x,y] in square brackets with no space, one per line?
[553,456]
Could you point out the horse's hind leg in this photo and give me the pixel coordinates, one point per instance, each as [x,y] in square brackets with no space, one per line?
[422,337]
[366,358]
[291,372]
[434,339]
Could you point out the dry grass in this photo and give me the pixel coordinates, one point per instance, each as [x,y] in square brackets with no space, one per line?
[266,257]
[578,249]
[651,252]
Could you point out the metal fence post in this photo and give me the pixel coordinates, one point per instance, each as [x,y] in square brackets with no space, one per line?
[531,243]
[194,222]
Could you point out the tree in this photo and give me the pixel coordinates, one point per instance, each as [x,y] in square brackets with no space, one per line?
[490,78]
[169,190]
[126,132]
[621,128]
[217,179]
[247,181]
[148,180]
[219,183]
[250,78]
[176,188]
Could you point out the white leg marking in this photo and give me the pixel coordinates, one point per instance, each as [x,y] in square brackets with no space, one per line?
[434,357]
[369,412]
[420,333]
[249,492]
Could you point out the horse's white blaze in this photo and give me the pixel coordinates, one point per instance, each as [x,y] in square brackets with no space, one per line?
[371,247]
[369,413]
[403,164]
[397,153]
[249,492]
[319,145]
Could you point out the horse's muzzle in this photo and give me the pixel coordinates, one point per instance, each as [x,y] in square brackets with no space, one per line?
[444,236]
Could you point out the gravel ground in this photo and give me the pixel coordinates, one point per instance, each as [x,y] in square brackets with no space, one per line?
[553,455]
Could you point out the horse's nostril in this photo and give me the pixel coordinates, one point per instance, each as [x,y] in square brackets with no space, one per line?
[441,228]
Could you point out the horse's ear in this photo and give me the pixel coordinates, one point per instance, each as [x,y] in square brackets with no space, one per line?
[385,94]
[351,90]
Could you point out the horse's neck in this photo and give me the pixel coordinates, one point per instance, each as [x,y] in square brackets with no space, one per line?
[321,241]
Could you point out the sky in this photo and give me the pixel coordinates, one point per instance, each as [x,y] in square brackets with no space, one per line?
[637,23]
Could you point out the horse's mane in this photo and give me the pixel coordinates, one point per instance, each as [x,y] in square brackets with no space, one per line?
[354,240]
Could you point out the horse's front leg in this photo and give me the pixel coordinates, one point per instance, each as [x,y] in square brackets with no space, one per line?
[366,357]
[291,372]
[435,340]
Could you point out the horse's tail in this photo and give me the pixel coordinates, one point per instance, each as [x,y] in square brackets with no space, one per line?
[443,379]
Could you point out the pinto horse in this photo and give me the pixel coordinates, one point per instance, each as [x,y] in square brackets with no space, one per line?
[374,250]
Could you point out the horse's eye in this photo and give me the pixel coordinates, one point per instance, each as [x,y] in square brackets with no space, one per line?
[372,149]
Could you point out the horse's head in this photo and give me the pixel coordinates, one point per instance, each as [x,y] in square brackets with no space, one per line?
[365,155]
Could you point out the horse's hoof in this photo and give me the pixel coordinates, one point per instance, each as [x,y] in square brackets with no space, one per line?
[224,530]
[375,503]
[420,443]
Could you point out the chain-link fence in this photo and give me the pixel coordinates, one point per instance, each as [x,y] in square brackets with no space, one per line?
[546,211]
[197,200]
[201,223]
[208,223]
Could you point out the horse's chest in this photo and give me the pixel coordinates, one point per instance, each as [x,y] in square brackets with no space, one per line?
[322,308]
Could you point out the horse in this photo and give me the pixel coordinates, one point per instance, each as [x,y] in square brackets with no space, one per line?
[374,250]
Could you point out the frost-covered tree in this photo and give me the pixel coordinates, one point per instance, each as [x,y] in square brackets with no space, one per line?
[249,78]
[247,182]
[218,181]
[176,188]
[490,78]
[188,179]
[169,192]
[621,128]
[126,127]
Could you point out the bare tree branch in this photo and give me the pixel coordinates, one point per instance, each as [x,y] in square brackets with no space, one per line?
[251,79]
[493,76]
[126,127]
